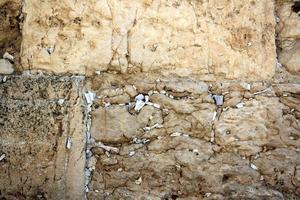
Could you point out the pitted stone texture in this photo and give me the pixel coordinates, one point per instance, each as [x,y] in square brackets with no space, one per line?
[65,37]
[289,36]
[10,33]
[206,39]
[114,124]
[280,168]
[34,130]
[200,151]
[249,128]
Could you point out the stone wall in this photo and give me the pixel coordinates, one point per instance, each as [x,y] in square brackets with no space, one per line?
[38,115]
[205,39]
[174,99]
[181,145]
[288,31]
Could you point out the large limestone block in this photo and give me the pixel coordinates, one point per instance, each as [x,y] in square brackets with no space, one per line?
[115,124]
[35,124]
[66,36]
[227,39]
[214,37]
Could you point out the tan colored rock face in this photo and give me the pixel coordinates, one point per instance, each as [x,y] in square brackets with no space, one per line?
[289,36]
[200,150]
[10,23]
[66,37]
[180,111]
[34,128]
[204,39]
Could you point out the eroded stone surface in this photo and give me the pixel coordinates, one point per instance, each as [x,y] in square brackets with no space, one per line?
[200,150]
[207,39]
[289,35]
[35,126]
[10,24]
[181,144]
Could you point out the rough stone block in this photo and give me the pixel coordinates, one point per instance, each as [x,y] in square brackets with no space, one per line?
[37,116]
[204,39]
[200,150]
[10,33]
[289,35]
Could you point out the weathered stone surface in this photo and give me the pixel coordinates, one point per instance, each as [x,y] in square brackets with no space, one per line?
[207,39]
[181,143]
[289,35]
[290,58]
[113,124]
[280,168]
[10,33]
[34,131]
[200,150]
[66,37]
[249,128]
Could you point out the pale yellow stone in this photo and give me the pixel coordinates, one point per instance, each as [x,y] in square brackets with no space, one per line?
[229,40]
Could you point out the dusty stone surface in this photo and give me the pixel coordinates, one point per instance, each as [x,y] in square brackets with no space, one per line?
[35,126]
[185,106]
[210,39]
[288,31]
[190,148]
[10,25]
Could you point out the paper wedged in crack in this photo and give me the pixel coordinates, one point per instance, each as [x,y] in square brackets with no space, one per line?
[254,153]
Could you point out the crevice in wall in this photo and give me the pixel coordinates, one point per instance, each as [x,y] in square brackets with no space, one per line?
[296,7]
[89,98]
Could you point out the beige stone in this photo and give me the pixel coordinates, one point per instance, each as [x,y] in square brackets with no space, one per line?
[192,156]
[248,129]
[10,33]
[281,174]
[34,133]
[225,40]
[290,58]
[113,124]
[78,36]
[180,106]
[289,36]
